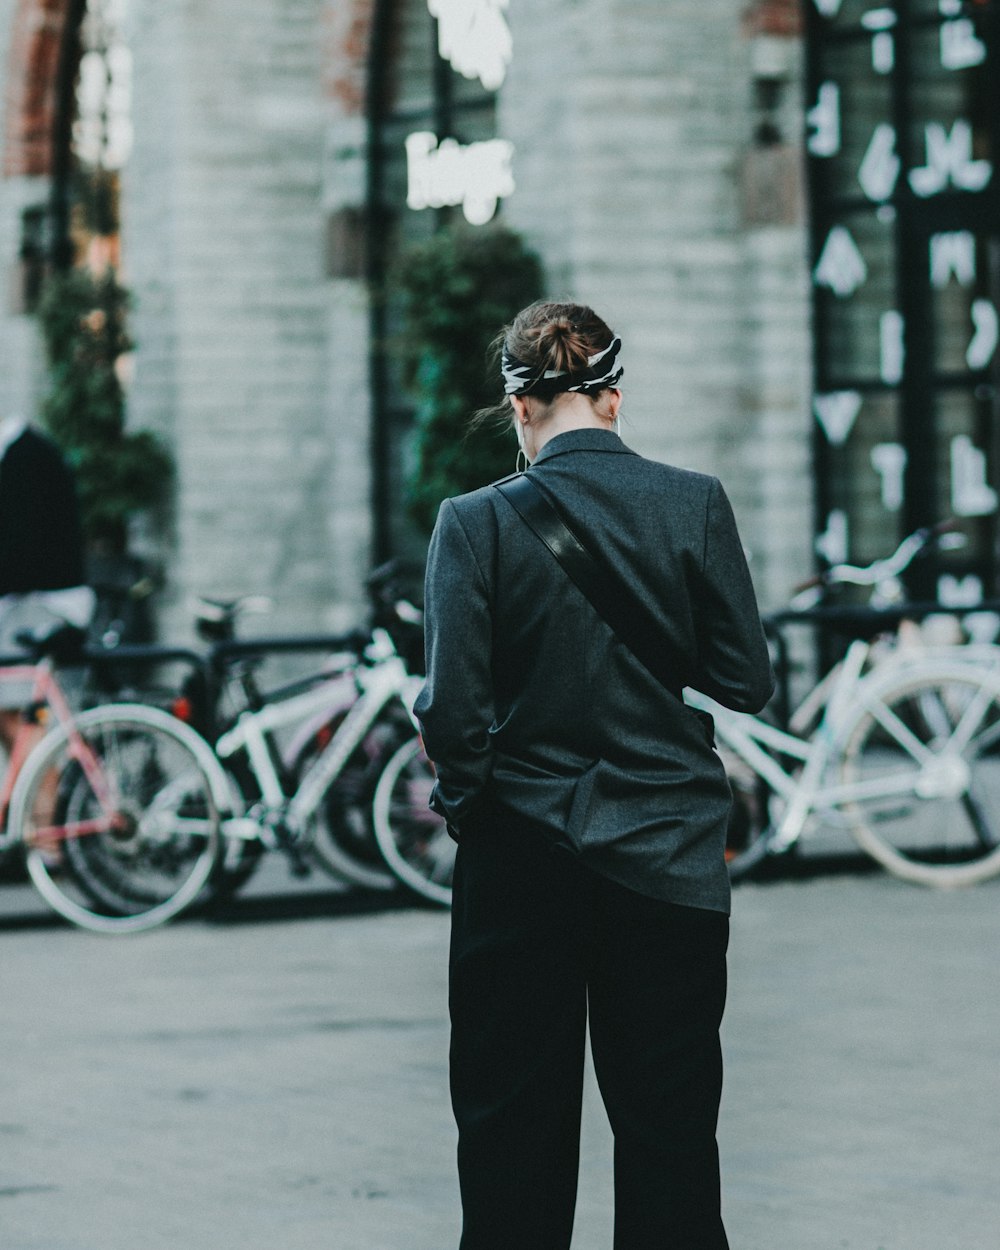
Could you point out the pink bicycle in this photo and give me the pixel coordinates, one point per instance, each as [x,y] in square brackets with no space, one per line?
[117,809]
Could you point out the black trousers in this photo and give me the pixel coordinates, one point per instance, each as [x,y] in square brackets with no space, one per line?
[537,939]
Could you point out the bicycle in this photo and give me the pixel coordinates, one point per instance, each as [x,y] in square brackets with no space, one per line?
[900,744]
[372,827]
[264,799]
[125,780]
[340,839]
[413,839]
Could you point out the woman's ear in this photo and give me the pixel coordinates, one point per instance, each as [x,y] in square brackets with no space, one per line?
[521,412]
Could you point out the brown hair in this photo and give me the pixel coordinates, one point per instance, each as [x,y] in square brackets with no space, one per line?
[556,336]
[548,335]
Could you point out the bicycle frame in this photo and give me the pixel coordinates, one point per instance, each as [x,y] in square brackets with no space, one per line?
[46,692]
[805,792]
[383,681]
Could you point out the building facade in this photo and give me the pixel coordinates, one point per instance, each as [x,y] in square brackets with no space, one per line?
[692,170]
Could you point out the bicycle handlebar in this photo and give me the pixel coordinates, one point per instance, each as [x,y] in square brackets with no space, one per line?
[808,593]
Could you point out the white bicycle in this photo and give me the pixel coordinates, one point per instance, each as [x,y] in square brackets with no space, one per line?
[900,744]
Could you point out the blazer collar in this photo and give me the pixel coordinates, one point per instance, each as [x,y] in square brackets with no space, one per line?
[587,439]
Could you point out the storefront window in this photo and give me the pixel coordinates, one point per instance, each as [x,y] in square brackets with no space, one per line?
[96,134]
[435,157]
[903,129]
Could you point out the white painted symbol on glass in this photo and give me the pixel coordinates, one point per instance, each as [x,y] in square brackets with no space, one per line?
[981,627]
[955,593]
[832,543]
[891,350]
[949,159]
[841,266]
[475,176]
[953,254]
[960,47]
[889,462]
[880,23]
[824,118]
[970,493]
[836,412]
[986,332]
[880,167]
[474,37]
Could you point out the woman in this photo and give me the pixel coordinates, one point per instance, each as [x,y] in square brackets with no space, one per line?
[590,812]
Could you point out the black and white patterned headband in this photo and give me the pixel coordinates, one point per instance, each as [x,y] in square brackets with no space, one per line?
[602,371]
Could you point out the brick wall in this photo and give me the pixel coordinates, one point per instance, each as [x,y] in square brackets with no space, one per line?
[631,167]
[27,52]
[31,61]
[246,359]
[639,179]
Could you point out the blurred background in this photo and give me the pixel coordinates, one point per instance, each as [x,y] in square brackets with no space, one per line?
[251,253]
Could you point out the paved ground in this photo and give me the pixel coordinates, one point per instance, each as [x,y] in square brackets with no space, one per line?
[277,1078]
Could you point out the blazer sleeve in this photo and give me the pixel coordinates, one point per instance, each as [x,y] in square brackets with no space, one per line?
[734,665]
[456,706]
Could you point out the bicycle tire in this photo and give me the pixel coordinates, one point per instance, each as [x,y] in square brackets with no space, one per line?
[748,830]
[133,835]
[413,839]
[930,739]
[341,838]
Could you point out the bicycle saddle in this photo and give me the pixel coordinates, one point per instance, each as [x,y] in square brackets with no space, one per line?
[60,641]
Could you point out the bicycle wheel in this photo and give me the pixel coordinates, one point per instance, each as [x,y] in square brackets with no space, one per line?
[341,838]
[413,839]
[748,828]
[119,818]
[924,757]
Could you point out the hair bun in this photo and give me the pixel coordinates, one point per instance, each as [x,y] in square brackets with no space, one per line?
[562,346]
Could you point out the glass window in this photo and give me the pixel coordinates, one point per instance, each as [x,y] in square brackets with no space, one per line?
[906,261]
[414,91]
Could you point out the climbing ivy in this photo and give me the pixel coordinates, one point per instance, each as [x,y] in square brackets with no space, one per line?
[118,472]
[456,291]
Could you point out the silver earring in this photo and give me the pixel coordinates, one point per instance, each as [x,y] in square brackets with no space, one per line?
[520,461]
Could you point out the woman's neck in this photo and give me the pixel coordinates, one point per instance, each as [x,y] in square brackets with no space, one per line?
[569,412]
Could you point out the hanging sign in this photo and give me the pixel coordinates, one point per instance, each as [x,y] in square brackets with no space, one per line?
[473,36]
[475,175]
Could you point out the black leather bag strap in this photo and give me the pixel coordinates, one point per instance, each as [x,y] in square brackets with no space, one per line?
[613,601]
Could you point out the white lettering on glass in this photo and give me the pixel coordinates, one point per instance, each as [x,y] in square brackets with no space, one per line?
[832,543]
[880,22]
[986,331]
[970,493]
[476,175]
[824,118]
[474,37]
[836,412]
[981,627]
[953,593]
[949,159]
[960,47]
[891,351]
[880,167]
[889,462]
[953,254]
[841,266]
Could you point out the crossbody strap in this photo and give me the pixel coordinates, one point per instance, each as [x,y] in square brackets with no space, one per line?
[613,601]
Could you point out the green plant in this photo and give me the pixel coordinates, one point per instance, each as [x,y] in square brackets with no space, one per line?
[456,291]
[118,473]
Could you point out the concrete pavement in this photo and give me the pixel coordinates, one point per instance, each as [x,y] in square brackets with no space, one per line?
[278,1078]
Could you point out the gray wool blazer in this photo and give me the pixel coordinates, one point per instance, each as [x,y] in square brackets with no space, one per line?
[532,705]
